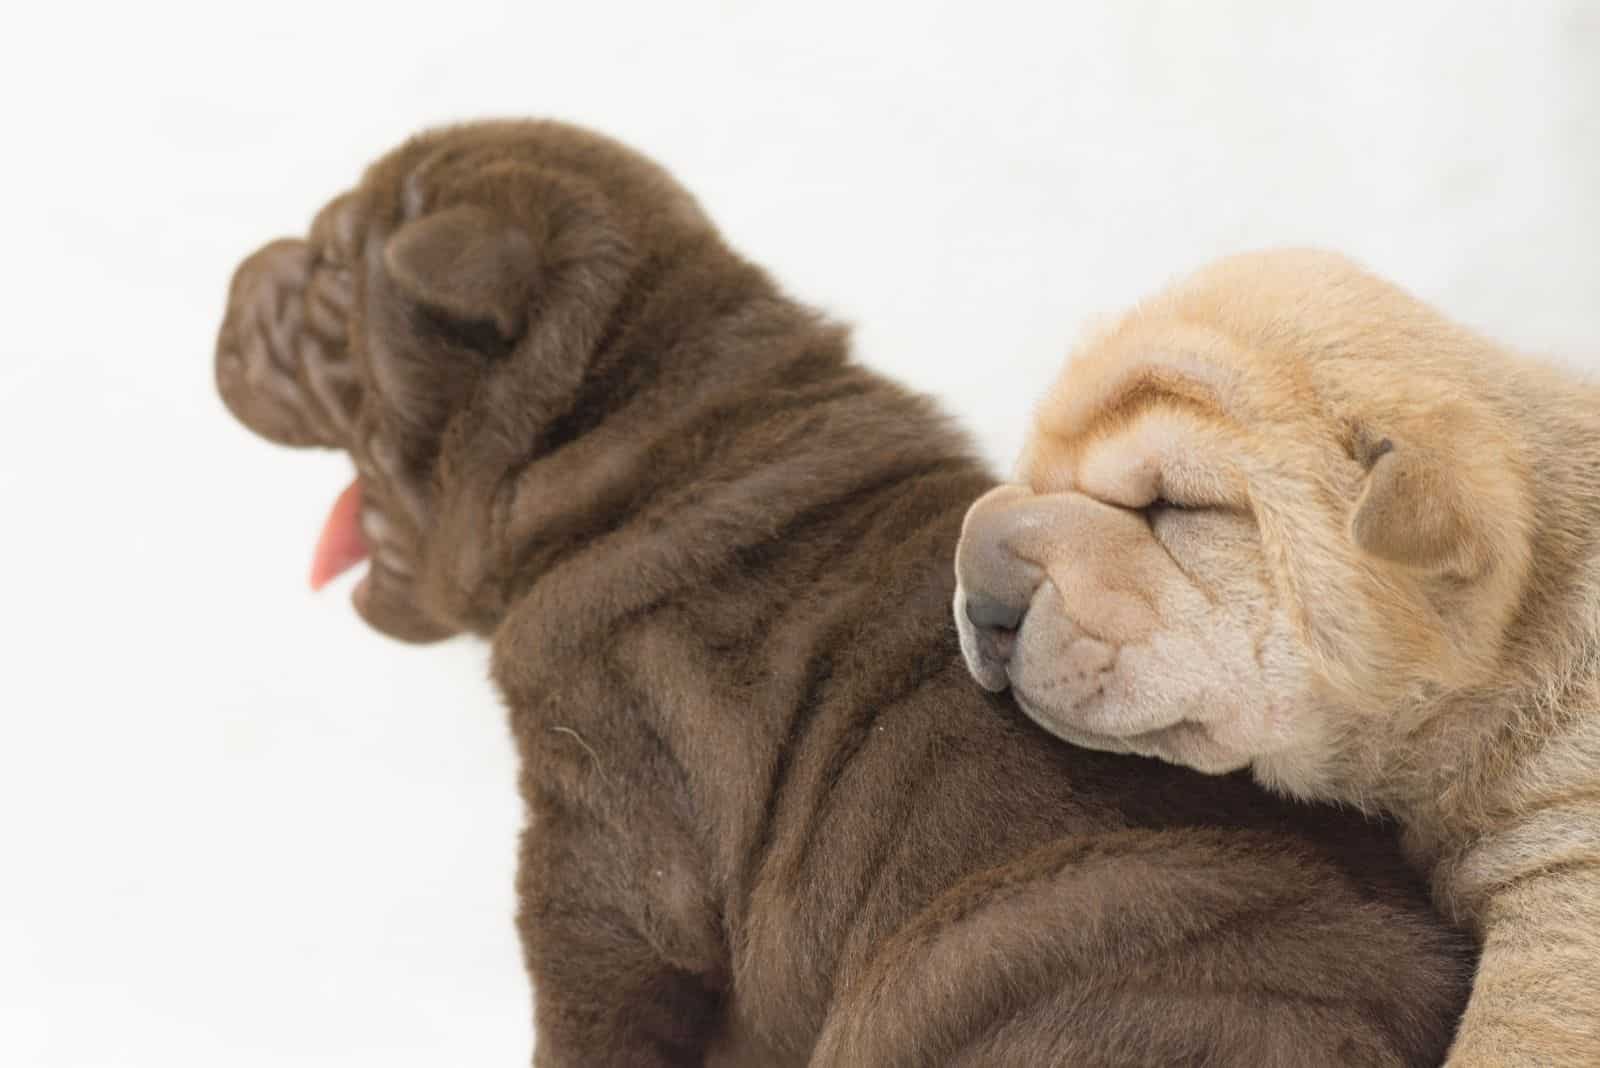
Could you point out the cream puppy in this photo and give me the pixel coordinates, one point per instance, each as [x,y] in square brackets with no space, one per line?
[1286,516]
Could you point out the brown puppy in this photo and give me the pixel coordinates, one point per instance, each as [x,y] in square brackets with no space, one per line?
[1372,538]
[771,822]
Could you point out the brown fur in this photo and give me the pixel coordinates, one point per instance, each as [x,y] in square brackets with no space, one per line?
[1380,535]
[770,822]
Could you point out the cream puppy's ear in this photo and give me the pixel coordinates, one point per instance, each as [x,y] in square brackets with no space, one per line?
[1413,510]
[1448,497]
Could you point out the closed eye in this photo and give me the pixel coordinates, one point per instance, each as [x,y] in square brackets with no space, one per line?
[1162,504]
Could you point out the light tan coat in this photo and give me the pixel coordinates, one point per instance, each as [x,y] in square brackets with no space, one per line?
[1284,515]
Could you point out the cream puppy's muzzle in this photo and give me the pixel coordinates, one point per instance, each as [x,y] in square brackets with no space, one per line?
[1123,629]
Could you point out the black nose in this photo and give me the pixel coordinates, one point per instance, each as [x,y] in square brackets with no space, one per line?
[995,624]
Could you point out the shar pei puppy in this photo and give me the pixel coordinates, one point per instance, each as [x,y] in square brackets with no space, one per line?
[770,821]
[1286,516]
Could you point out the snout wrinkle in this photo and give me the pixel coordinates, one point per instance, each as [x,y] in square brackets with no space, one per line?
[280,368]
[1049,588]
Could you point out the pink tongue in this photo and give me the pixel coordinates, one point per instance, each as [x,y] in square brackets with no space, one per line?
[341,545]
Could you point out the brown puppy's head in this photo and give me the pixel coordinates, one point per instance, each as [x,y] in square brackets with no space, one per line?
[438,324]
[1273,504]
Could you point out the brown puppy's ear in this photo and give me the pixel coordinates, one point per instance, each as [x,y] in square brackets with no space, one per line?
[467,262]
[1454,506]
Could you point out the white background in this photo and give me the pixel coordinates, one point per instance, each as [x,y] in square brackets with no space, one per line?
[236,828]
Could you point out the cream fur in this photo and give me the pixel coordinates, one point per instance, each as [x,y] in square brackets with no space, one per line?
[1285,515]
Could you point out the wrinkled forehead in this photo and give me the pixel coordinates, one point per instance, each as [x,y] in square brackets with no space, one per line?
[390,192]
[402,185]
[338,229]
[1166,414]
[1164,448]
[1113,378]
[451,162]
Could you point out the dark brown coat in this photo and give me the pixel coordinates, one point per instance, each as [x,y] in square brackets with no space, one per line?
[771,821]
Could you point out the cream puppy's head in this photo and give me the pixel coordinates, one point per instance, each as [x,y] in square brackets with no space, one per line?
[1272,505]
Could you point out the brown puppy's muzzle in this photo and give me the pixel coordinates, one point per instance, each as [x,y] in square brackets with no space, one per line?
[282,363]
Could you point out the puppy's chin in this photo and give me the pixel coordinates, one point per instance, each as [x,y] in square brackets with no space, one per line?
[385,601]
[1186,742]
